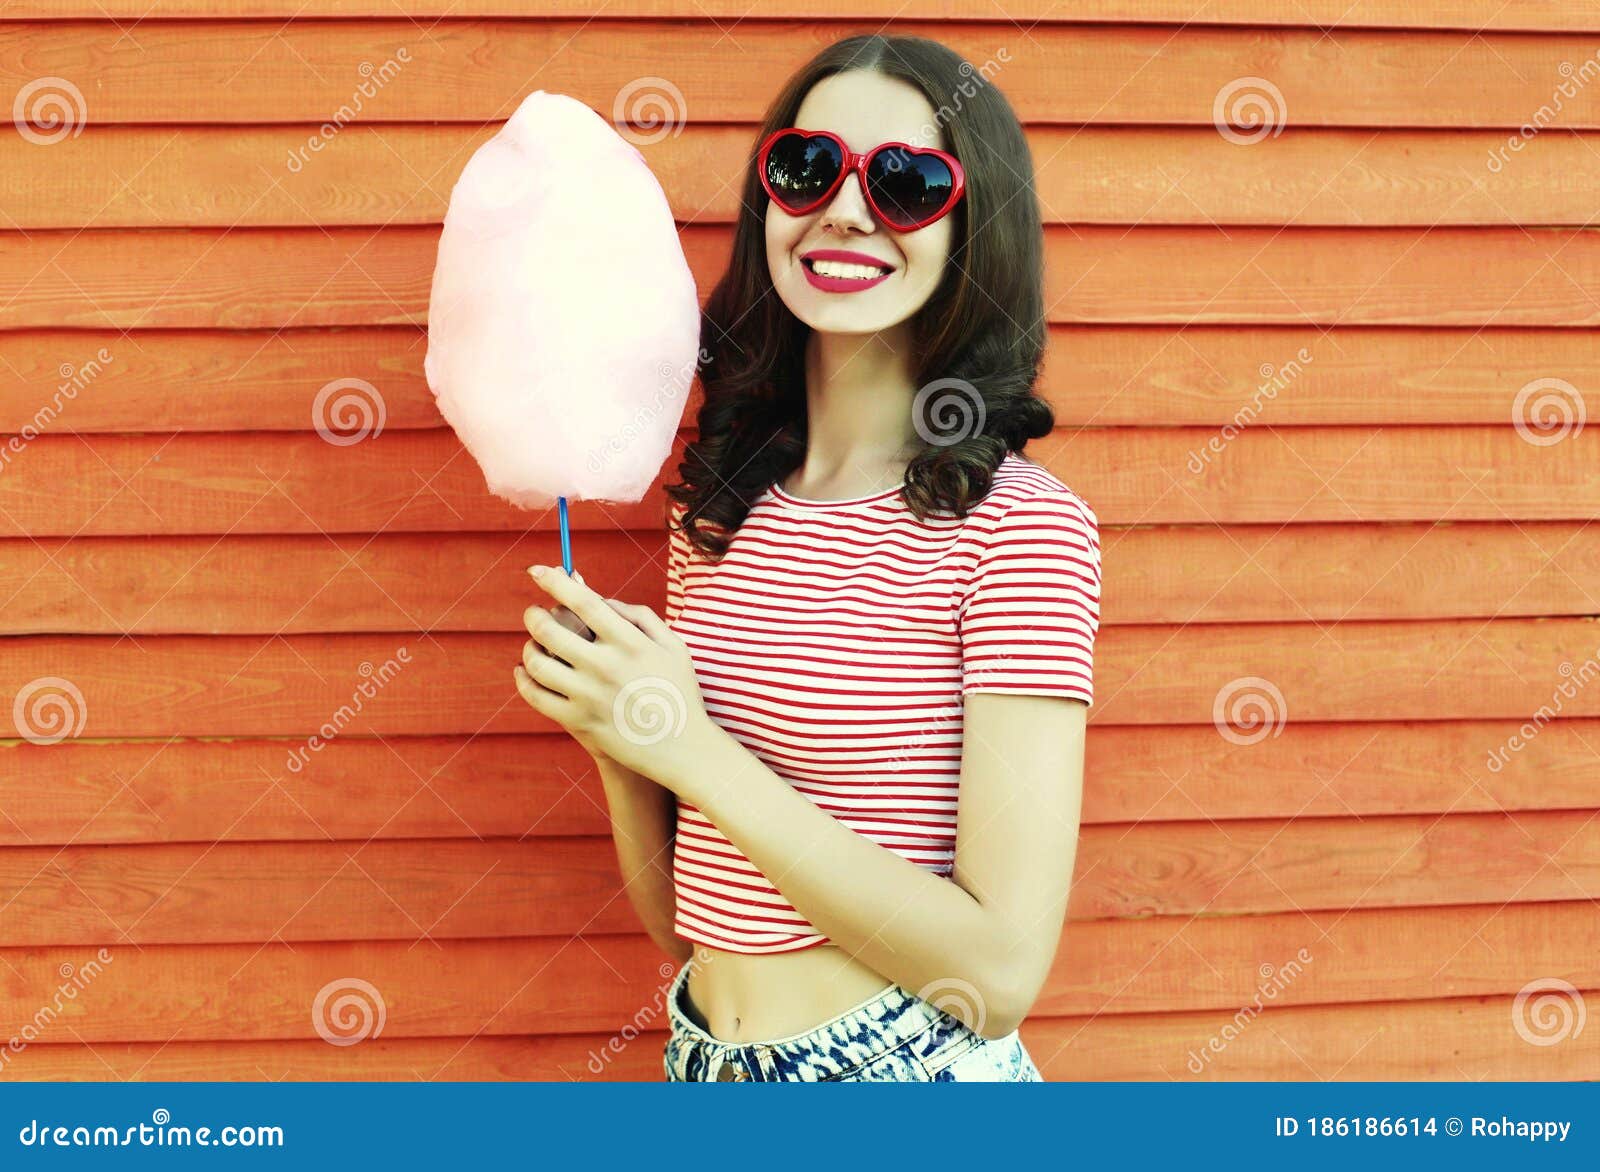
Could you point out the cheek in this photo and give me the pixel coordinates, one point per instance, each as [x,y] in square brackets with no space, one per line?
[782,235]
[927,250]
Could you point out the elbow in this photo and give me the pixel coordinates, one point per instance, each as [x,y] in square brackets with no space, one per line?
[1009,997]
[1001,1020]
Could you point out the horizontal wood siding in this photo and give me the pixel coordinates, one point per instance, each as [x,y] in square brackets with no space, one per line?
[1383,557]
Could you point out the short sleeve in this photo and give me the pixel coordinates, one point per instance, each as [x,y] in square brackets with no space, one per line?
[1029,609]
[677,560]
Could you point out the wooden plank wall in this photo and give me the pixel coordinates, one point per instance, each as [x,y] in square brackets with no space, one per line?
[1389,559]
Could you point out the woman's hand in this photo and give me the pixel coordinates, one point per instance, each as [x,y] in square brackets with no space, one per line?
[622,684]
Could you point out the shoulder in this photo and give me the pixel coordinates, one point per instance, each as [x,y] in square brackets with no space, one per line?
[1024,495]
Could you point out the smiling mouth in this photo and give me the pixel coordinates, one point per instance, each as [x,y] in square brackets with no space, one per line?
[842,271]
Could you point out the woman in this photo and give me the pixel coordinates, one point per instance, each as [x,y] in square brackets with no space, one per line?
[871,609]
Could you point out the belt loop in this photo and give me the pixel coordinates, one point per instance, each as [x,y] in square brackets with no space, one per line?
[766,1066]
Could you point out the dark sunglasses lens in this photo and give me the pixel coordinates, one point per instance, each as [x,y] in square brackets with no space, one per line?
[909,188]
[801,168]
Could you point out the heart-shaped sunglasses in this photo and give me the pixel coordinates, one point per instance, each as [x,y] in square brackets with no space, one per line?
[907,187]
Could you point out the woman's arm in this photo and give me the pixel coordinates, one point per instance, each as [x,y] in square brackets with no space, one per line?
[643,822]
[988,937]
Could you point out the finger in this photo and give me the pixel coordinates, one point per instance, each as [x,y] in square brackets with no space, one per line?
[548,672]
[541,699]
[583,602]
[554,637]
[572,622]
[642,617]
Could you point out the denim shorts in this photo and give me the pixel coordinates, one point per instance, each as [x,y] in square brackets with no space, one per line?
[893,1036]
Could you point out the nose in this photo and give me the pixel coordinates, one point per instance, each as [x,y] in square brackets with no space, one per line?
[848,208]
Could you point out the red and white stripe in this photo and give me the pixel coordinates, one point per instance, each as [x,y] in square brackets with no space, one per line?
[836,640]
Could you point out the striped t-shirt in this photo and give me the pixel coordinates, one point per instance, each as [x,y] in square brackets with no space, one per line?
[836,639]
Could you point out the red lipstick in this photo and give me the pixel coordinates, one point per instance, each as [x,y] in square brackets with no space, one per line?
[843,284]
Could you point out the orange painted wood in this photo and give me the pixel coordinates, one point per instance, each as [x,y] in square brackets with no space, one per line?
[1382,1042]
[414,481]
[542,785]
[354,788]
[303,584]
[548,985]
[80,381]
[1460,1039]
[1349,671]
[478,70]
[473,1058]
[227,176]
[254,278]
[477,581]
[1127,375]
[1536,15]
[1374,543]
[420,890]
[428,890]
[389,685]
[1095,375]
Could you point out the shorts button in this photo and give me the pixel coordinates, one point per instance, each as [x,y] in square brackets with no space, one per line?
[728,1073]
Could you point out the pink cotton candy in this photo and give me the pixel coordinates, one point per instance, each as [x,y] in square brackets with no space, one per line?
[563,324]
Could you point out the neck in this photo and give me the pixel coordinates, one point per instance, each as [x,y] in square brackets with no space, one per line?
[859,393]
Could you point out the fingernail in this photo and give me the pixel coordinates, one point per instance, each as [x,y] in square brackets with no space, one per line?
[537,571]
[578,574]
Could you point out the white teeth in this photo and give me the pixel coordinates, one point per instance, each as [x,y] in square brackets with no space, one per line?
[834,268]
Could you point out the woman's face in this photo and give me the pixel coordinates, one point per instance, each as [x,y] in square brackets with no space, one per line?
[864,109]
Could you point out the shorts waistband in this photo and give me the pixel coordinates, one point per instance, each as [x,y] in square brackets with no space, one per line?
[886,1019]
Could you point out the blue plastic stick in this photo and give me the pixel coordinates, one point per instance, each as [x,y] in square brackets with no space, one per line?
[566,538]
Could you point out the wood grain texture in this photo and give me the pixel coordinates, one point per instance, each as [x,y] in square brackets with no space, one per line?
[427,891]
[402,173]
[66,382]
[536,785]
[461,683]
[1344,740]
[424,481]
[1533,15]
[1448,1039]
[284,277]
[478,70]
[1196,573]
[603,984]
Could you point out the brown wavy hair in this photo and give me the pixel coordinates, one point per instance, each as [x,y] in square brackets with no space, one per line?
[983,325]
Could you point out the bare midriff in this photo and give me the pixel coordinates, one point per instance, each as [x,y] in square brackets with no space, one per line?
[749,997]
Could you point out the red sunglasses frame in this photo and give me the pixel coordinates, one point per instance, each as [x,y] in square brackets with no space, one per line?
[857,163]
